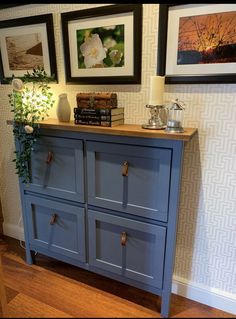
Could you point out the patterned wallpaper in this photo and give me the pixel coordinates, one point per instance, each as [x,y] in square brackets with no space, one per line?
[206,242]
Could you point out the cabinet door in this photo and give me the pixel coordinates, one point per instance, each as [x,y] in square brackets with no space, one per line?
[131,179]
[56,227]
[126,247]
[57,168]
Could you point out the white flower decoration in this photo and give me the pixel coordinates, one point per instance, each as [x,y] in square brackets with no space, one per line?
[29,129]
[93,51]
[17,85]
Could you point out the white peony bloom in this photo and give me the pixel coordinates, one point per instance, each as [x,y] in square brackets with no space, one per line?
[17,85]
[93,51]
[29,129]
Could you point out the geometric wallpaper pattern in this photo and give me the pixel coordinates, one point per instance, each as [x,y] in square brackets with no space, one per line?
[206,238]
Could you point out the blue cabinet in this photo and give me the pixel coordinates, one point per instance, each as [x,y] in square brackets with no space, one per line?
[56,228]
[106,203]
[57,168]
[130,179]
[127,247]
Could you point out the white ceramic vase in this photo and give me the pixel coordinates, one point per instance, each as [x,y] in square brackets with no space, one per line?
[63,108]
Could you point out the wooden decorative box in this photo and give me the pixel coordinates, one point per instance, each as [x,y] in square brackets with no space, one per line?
[96,100]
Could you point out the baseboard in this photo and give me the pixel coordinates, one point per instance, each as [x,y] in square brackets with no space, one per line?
[209,296]
[212,297]
[13,231]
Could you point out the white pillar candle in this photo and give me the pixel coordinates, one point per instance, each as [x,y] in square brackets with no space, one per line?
[156,90]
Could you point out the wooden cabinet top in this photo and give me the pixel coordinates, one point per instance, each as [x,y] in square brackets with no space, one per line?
[122,130]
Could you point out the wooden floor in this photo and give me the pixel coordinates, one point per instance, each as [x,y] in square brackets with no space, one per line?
[53,289]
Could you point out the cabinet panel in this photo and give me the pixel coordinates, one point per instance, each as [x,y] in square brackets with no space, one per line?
[127,178]
[57,227]
[126,247]
[57,168]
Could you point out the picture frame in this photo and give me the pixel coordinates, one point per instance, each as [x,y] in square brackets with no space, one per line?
[25,44]
[103,45]
[196,44]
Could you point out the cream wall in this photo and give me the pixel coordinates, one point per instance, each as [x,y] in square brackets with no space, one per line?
[206,244]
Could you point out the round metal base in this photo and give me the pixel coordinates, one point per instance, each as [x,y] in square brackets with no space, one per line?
[153,126]
[174,129]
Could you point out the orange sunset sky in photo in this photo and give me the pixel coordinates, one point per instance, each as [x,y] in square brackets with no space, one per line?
[207,31]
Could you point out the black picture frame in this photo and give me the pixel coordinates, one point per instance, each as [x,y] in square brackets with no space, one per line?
[197,78]
[35,26]
[131,73]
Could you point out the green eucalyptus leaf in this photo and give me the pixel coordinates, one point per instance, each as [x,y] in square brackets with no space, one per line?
[29,108]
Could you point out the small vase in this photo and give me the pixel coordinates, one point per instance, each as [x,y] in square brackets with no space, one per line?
[63,108]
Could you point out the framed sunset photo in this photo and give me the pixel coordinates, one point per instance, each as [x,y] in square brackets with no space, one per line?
[100,45]
[197,43]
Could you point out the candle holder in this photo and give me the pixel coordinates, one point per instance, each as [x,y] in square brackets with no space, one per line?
[175,117]
[155,122]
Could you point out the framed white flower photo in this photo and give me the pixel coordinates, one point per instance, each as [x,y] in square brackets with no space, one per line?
[25,46]
[103,45]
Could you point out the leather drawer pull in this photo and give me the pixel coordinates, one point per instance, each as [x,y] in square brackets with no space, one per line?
[125,168]
[49,157]
[53,219]
[123,238]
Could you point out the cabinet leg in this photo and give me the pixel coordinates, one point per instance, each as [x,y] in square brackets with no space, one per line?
[165,305]
[30,256]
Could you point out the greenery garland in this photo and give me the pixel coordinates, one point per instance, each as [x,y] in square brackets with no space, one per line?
[30,100]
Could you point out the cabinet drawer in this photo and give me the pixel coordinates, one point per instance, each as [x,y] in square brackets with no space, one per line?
[143,191]
[56,227]
[126,247]
[57,168]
